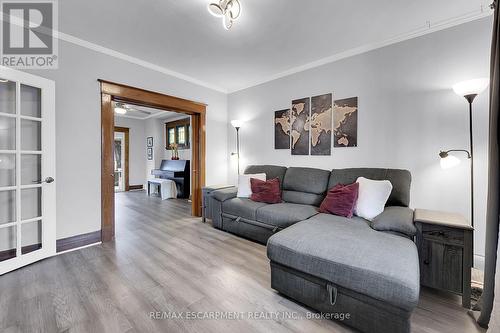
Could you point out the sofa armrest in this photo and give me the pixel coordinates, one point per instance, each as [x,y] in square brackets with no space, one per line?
[395,219]
[225,194]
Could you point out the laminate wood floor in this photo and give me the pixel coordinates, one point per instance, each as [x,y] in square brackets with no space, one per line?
[163,260]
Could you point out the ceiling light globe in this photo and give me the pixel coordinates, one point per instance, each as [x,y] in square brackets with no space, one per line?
[120,110]
[235,11]
[471,87]
[215,10]
[449,162]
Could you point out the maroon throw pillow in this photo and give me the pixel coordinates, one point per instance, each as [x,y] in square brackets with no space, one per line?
[265,191]
[340,200]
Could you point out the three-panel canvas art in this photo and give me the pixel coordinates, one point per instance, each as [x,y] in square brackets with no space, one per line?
[311,124]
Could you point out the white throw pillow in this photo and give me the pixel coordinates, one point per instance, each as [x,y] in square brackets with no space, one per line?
[244,188]
[372,197]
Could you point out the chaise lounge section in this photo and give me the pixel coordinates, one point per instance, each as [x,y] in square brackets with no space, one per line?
[340,266]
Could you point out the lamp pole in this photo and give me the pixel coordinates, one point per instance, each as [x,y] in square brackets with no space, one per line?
[470,89]
[238,147]
[470,98]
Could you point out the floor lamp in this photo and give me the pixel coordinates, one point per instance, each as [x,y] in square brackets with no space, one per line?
[237,125]
[469,90]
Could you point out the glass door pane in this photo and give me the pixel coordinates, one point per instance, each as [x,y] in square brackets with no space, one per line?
[7,170]
[7,133]
[31,236]
[8,204]
[31,168]
[30,101]
[8,243]
[31,134]
[7,96]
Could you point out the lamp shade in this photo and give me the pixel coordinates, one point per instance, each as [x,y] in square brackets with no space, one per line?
[449,162]
[237,123]
[471,87]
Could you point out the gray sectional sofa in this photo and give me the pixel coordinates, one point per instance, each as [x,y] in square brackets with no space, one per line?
[336,265]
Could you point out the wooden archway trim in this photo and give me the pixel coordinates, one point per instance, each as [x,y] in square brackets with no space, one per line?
[111,92]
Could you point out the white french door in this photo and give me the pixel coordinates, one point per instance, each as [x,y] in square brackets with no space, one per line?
[27,169]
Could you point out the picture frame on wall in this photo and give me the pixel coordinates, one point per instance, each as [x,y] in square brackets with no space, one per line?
[150,154]
[149,141]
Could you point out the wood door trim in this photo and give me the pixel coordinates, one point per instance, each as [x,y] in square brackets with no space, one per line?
[111,92]
[151,99]
[126,132]
[107,169]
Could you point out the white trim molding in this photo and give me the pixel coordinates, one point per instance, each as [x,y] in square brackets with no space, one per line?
[428,28]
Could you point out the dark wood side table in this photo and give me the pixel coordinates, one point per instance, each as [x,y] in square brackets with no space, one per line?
[444,242]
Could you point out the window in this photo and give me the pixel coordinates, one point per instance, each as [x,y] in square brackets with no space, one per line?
[181,135]
[178,132]
[171,136]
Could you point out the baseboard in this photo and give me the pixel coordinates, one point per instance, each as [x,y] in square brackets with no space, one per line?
[72,242]
[135,187]
[11,253]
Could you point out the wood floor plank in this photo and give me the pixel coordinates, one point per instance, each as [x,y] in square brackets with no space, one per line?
[164,261]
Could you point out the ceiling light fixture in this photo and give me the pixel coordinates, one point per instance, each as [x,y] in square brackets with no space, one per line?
[120,109]
[229,10]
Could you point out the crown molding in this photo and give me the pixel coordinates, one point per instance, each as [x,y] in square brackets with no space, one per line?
[424,30]
[122,56]
[427,29]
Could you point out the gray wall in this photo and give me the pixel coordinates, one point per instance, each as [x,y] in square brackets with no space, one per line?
[407,114]
[78,128]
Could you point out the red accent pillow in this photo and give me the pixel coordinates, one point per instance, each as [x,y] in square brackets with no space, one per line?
[340,200]
[265,191]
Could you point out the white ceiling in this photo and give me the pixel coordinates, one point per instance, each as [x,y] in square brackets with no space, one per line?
[143,113]
[272,37]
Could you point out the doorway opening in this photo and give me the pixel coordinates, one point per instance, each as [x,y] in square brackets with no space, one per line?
[165,150]
[121,159]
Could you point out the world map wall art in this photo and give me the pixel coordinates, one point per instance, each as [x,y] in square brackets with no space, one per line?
[282,129]
[299,120]
[321,125]
[345,122]
[307,128]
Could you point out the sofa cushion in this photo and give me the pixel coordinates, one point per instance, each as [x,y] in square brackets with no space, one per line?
[285,214]
[271,171]
[400,180]
[265,191]
[242,207]
[305,185]
[341,200]
[244,185]
[395,219]
[225,193]
[372,197]
[350,254]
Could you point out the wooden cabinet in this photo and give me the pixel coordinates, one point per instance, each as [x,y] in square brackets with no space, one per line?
[444,244]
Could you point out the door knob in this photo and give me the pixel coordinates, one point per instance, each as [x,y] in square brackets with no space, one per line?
[47,180]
